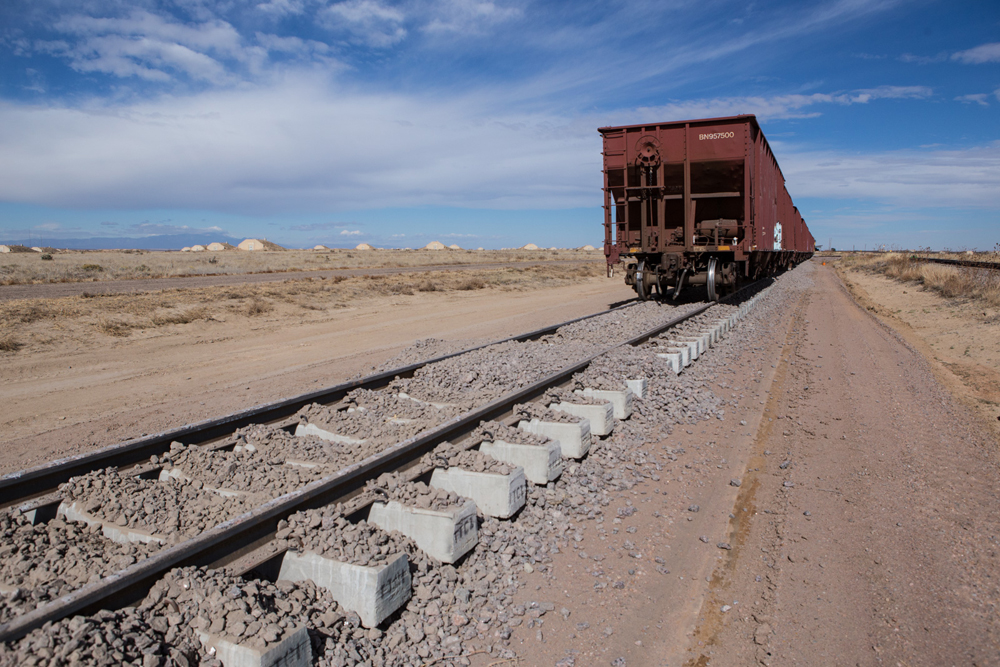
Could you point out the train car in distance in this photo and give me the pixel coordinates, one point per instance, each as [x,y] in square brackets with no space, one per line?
[697,203]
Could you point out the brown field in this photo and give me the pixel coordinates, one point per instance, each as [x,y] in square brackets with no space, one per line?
[33,324]
[952,282]
[87,266]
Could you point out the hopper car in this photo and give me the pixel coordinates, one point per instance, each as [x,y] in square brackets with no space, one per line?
[697,203]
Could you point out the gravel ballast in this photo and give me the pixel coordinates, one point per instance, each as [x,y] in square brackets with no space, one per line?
[492,431]
[448,455]
[280,445]
[391,486]
[328,533]
[256,473]
[174,508]
[42,562]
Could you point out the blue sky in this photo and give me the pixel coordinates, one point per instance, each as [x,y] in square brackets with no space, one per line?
[471,122]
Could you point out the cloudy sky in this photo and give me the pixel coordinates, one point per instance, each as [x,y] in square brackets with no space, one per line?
[474,122]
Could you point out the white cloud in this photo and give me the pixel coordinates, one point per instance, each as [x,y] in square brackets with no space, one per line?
[296,146]
[924,60]
[301,50]
[148,46]
[978,98]
[365,21]
[350,232]
[885,92]
[772,107]
[282,7]
[985,53]
[156,228]
[468,16]
[967,177]
[290,44]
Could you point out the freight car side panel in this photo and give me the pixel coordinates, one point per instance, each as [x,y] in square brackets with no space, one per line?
[717,142]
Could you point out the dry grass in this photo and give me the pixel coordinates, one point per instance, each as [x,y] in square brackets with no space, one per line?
[950,281]
[10,344]
[471,284]
[82,266]
[182,317]
[114,327]
[258,306]
[42,321]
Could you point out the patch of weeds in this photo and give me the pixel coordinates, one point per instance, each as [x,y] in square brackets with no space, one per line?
[46,256]
[184,317]
[258,306]
[237,293]
[471,284]
[113,327]
[92,268]
[427,286]
[10,344]
[33,313]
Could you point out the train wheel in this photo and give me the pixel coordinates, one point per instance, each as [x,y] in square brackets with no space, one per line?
[640,282]
[712,284]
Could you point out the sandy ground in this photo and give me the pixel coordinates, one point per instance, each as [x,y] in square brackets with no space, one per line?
[863,532]
[85,391]
[960,337]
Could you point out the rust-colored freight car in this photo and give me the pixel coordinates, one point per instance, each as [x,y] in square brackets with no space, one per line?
[697,202]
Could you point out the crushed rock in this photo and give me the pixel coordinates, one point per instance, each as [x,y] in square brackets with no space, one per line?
[328,533]
[448,455]
[492,431]
[531,411]
[175,508]
[52,559]
[279,444]
[245,471]
[390,486]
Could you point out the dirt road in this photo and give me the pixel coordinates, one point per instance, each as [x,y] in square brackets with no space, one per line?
[846,514]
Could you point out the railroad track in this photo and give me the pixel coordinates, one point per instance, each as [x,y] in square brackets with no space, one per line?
[246,544]
[967,263]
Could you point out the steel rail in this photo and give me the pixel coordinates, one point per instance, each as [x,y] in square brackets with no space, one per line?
[254,529]
[19,487]
[968,263]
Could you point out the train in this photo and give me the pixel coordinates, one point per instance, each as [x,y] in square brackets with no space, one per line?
[697,203]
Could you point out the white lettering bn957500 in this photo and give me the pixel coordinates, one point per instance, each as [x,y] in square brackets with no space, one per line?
[716,135]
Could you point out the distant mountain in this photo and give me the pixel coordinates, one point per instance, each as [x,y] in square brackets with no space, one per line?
[161,242]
